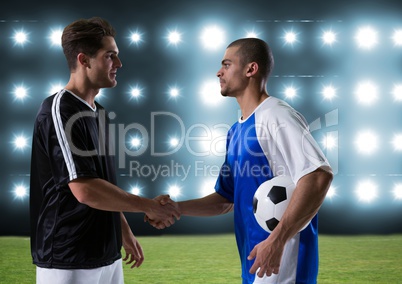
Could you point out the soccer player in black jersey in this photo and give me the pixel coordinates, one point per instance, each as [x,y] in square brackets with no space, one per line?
[77,224]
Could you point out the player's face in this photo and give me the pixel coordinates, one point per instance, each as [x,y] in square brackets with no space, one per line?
[104,65]
[231,74]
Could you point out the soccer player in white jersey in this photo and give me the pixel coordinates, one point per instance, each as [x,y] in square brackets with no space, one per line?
[273,137]
[77,224]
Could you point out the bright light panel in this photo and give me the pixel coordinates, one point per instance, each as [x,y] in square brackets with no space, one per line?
[213,38]
[329,37]
[174,191]
[173,142]
[135,37]
[54,88]
[136,190]
[366,191]
[290,92]
[20,191]
[366,93]
[174,92]
[366,142]
[20,37]
[398,191]
[211,93]
[397,142]
[55,37]
[290,37]
[20,142]
[331,192]
[330,142]
[135,142]
[397,37]
[329,92]
[174,37]
[397,92]
[135,92]
[366,38]
[208,187]
[20,93]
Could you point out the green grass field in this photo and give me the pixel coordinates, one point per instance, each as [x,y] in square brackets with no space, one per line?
[213,259]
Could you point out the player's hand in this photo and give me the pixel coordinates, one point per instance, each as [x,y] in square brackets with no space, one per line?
[267,258]
[166,212]
[133,249]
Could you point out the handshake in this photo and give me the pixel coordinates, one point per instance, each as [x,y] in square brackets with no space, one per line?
[162,212]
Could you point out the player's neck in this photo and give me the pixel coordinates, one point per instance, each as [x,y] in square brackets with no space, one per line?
[248,102]
[80,90]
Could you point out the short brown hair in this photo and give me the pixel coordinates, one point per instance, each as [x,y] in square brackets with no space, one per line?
[255,50]
[84,36]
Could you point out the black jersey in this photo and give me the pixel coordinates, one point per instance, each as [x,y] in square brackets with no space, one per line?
[71,140]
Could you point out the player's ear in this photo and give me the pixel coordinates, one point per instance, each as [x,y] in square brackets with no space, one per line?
[252,69]
[83,60]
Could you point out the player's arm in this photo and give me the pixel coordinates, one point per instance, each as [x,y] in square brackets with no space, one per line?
[101,194]
[210,205]
[306,200]
[133,249]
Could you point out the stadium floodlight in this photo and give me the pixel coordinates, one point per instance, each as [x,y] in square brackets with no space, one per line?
[54,88]
[135,142]
[20,142]
[397,92]
[213,37]
[135,37]
[397,142]
[366,142]
[329,92]
[101,94]
[366,191]
[174,191]
[397,37]
[290,37]
[174,142]
[55,37]
[20,93]
[174,37]
[290,92]
[366,93]
[251,34]
[20,191]
[135,92]
[329,37]
[398,191]
[173,92]
[208,187]
[331,192]
[211,93]
[20,37]
[136,190]
[366,38]
[330,141]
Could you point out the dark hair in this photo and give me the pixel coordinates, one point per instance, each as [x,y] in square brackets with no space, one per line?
[84,36]
[255,50]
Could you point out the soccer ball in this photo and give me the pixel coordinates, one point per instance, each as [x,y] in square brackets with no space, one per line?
[271,200]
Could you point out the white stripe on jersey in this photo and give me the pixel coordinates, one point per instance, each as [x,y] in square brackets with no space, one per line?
[61,136]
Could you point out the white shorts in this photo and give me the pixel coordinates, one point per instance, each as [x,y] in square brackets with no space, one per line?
[111,274]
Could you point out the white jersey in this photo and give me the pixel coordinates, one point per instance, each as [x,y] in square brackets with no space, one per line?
[273,141]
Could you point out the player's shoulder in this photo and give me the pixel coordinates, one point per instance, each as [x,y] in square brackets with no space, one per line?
[274,107]
[278,111]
